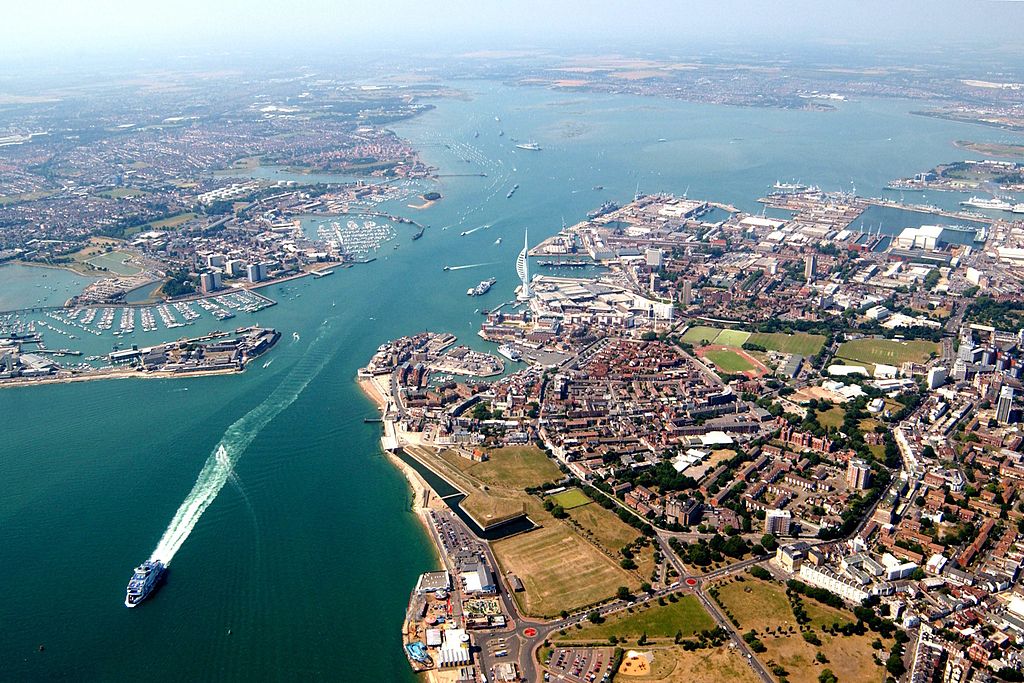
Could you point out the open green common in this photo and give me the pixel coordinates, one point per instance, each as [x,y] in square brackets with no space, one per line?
[657,621]
[800,343]
[573,498]
[700,333]
[887,351]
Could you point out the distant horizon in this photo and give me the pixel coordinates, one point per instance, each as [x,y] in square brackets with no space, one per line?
[54,32]
[28,73]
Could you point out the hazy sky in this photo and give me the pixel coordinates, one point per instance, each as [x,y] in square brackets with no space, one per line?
[59,27]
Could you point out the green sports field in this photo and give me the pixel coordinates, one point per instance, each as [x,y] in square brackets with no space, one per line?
[573,498]
[729,361]
[700,333]
[800,343]
[887,351]
[735,338]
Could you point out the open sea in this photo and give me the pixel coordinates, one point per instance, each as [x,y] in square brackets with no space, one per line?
[295,555]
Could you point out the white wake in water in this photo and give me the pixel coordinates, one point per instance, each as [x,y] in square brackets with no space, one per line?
[219,467]
[471,265]
[479,227]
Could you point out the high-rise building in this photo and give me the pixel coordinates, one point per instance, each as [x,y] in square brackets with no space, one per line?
[653,257]
[966,350]
[858,474]
[1004,408]
[777,522]
[210,282]
[810,266]
[523,268]
[235,268]
[256,272]
[687,295]
[937,377]
[959,370]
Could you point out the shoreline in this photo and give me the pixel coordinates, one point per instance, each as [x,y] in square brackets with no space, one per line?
[125,374]
[423,497]
[52,266]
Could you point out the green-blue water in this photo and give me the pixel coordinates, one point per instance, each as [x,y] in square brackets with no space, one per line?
[309,555]
[23,286]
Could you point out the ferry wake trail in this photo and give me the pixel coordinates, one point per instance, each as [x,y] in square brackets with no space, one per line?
[219,467]
[471,265]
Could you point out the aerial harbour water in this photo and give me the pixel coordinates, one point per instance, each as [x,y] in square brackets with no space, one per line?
[293,546]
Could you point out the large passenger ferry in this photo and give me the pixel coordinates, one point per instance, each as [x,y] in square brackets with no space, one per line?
[144,581]
[993,204]
[510,352]
[482,288]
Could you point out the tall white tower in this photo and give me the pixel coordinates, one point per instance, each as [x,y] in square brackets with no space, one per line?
[523,268]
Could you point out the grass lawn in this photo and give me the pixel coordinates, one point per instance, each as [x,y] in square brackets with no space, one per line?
[799,343]
[868,424]
[488,510]
[573,498]
[26,197]
[171,221]
[675,665]
[732,338]
[699,333]
[849,656]
[246,163]
[559,570]
[757,604]
[687,615]
[887,351]
[833,417]
[823,615]
[114,263]
[729,361]
[119,192]
[763,606]
[606,529]
[457,461]
[516,467]
[604,526]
